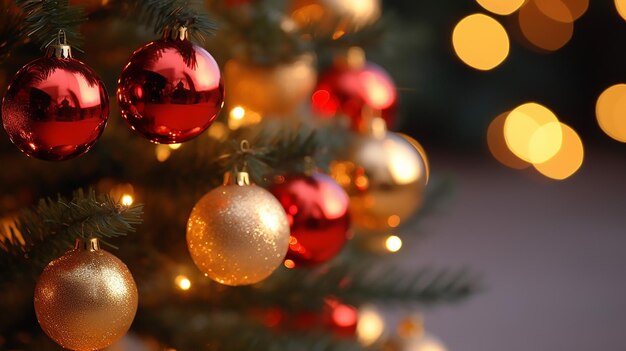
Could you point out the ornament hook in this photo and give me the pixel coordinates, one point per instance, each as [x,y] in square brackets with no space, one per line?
[60,49]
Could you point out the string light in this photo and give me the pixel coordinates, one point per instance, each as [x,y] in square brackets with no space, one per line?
[182,282]
[163,152]
[370,325]
[127,200]
[393,243]
[569,158]
[175,146]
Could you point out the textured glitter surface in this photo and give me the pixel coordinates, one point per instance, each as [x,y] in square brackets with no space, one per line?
[384,177]
[238,235]
[86,300]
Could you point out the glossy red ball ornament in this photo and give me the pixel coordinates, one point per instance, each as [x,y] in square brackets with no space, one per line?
[171,90]
[318,212]
[56,108]
[345,89]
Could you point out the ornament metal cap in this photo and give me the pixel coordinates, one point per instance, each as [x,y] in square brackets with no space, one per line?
[372,123]
[241,178]
[60,49]
[176,33]
[87,244]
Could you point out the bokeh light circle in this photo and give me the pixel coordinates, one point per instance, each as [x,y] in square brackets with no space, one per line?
[611,112]
[497,144]
[480,41]
[532,133]
[501,7]
[542,31]
[569,158]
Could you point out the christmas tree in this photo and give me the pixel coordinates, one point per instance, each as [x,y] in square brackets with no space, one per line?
[194,183]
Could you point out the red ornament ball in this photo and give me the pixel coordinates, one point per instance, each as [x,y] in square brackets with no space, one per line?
[55,108]
[345,89]
[318,212]
[170,91]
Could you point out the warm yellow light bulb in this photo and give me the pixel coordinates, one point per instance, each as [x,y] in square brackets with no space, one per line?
[163,152]
[183,282]
[175,146]
[393,243]
[127,200]
[237,113]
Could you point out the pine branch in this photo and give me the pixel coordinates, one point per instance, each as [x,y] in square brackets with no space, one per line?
[231,331]
[44,18]
[47,231]
[171,14]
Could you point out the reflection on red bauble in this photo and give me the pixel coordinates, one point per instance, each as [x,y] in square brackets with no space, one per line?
[170,91]
[318,212]
[345,89]
[55,108]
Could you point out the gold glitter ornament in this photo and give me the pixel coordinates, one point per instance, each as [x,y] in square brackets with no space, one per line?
[86,299]
[238,234]
[384,175]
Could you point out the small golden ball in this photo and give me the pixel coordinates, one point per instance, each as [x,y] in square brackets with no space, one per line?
[238,235]
[86,299]
[385,177]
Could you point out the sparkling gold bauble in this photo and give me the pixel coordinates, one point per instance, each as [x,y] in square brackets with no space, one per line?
[86,299]
[385,178]
[269,90]
[334,16]
[238,235]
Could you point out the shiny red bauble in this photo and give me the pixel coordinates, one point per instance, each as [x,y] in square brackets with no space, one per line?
[345,89]
[55,108]
[318,212]
[170,91]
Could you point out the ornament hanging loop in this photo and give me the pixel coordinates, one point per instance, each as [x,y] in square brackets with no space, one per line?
[60,49]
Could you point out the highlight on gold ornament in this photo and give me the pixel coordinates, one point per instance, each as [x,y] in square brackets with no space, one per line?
[384,176]
[531,134]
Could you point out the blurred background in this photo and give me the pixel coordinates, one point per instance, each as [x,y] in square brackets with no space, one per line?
[551,251]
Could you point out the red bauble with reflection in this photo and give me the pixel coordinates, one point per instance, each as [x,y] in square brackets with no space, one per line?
[345,89]
[55,108]
[170,91]
[318,212]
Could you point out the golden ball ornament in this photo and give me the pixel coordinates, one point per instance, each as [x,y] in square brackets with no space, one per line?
[86,299]
[385,177]
[334,16]
[238,234]
[269,89]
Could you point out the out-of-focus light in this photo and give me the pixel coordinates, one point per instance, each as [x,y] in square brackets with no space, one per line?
[175,146]
[563,10]
[542,31]
[393,243]
[569,158]
[501,7]
[404,163]
[497,144]
[218,131]
[620,5]
[370,325]
[240,117]
[289,264]
[163,152]
[393,221]
[411,327]
[480,41]
[533,133]
[425,343]
[344,315]
[237,113]
[182,282]
[611,111]
[127,200]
